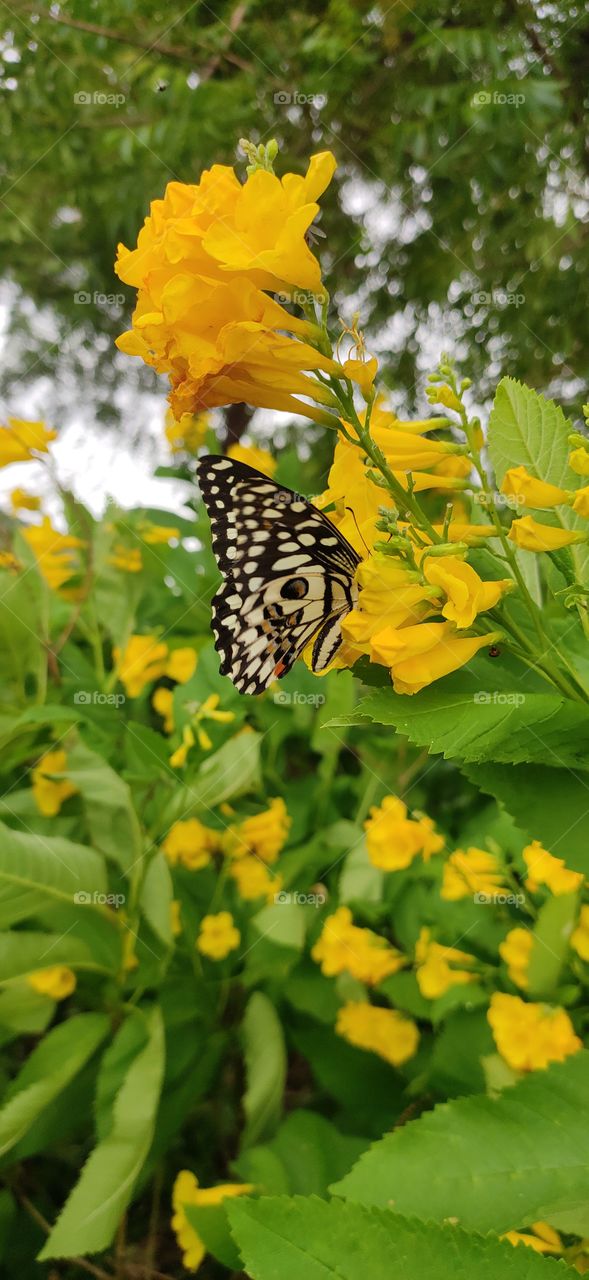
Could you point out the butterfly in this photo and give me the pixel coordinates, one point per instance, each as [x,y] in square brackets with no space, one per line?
[288,575]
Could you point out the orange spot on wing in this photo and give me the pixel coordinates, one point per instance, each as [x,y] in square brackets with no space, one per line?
[279,669]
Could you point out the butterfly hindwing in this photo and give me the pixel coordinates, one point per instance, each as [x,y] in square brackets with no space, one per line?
[288,574]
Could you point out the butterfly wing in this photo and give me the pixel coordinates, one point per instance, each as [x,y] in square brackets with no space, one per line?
[288,575]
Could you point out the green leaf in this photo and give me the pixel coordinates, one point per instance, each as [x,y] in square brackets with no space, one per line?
[50,1067]
[113,823]
[211,1225]
[265,1064]
[231,771]
[550,805]
[23,1012]
[38,870]
[21,953]
[306,1154]
[550,947]
[286,1239]
[93,1211]
[492,1164]
[157,892]
[485,725]
[527,430]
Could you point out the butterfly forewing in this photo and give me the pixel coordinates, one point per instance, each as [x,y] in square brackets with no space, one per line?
[288,574]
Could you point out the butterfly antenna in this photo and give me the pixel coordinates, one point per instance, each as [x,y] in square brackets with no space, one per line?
[353,515]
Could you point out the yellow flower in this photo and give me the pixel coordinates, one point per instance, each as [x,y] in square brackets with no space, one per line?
[385,1032]
[581,502]
[579,462]
[20,500]
[54,552]
[390,595]
[189,433]
[544,1240]
[253,879]
[393,839]
[175,922]
[156,535]
[264,834]
[530,1036]
[50,793]
[538,494]
[474,871]
[163,701]
[218,936]
[466,593]
[544,868]
[515,950]
[181,665]
[180,755]
[186,1191]
[580,934]
[57,981]
[190,843]
[142,661]
[443,394]
[127,559]
[343,947]
[202,260]
[209,710]
[145,659]
[531,535]
[21,440]
[254,457]
[406,446]
[434,971]
[418,655]
[357,500]
[459,531]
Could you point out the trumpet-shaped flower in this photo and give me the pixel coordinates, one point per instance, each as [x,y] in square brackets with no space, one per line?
[466,594]
[545,869]
[22,441]
[390,595]
[531,535]
[386,1032]
[531,492]
[418,655]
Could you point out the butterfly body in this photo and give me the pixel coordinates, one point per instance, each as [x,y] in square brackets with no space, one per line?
[288,575]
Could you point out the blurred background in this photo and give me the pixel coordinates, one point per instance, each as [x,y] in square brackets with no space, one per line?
[457,220]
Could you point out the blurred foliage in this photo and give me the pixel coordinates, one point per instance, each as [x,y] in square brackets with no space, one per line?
[459,132]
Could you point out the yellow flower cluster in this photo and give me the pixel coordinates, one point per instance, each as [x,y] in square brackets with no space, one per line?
[207,260]
[471,871]
[516,950]
[263,835]
[545,869]
[412,605]
[253,880]
[49,791]
[187,1191]
[393,839]
[343,947]
[190,844]
[530,1036]
[386,1032]
[145,659]
[54,552]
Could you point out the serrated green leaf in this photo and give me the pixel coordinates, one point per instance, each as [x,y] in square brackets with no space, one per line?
[550,805]
[492,1163]
[93,1211]
[285,1239]
[303,1155]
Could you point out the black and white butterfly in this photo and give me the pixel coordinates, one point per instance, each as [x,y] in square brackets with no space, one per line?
[288,575]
